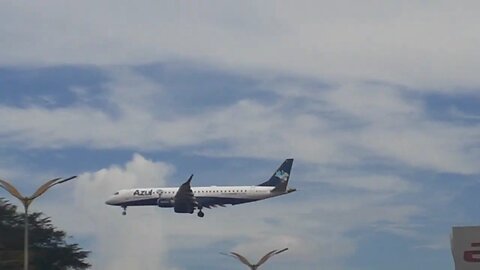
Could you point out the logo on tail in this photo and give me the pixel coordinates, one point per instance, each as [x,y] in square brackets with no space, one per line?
[281,175]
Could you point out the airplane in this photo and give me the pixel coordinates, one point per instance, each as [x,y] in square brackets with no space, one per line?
[186,199]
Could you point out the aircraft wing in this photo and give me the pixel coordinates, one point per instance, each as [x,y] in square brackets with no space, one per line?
[184,201]
[209,203]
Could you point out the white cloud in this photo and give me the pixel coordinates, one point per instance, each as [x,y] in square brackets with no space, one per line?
[420,44]
[344,124]
[430,46]
[437,147]
[373,183]
[253,228]
[389,124]
[377,104]
[118,242]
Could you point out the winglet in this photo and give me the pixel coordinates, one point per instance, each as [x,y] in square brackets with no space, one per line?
[190,179]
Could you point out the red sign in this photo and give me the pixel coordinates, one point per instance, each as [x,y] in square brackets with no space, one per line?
[472,256]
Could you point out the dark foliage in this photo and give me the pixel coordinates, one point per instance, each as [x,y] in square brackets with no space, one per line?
[47,245]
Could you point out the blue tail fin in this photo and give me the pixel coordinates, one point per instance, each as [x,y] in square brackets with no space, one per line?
[281,175]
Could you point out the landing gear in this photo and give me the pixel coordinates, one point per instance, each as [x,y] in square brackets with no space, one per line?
[200,212]
[124,210]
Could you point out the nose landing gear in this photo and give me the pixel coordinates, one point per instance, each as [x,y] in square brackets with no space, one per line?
[124,210]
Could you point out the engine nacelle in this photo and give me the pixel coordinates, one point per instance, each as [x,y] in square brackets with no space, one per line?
[183,208]
[164,203]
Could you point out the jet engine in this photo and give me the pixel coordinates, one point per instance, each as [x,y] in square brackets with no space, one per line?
[183,208]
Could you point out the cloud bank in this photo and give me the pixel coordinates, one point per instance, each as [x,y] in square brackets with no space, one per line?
[154,238]
[423,45]
[342,124]
[117,242]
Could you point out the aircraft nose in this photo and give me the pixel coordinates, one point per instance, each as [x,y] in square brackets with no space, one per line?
[110,201]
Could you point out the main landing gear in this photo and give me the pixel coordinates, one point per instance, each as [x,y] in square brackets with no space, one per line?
[124,210]
[200,212]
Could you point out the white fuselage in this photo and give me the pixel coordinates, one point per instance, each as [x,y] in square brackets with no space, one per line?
[186,199]
[213,195]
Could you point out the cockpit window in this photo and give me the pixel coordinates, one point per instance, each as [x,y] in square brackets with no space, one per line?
[116,193]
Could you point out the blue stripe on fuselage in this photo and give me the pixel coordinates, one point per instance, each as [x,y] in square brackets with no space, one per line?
[205,201]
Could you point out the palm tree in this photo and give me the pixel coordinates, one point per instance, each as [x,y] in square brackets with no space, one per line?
[260,262]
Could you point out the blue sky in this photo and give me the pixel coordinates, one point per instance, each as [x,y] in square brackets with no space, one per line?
[377,103]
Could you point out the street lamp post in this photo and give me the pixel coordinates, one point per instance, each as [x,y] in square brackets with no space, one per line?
[26,201]
[244,260]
